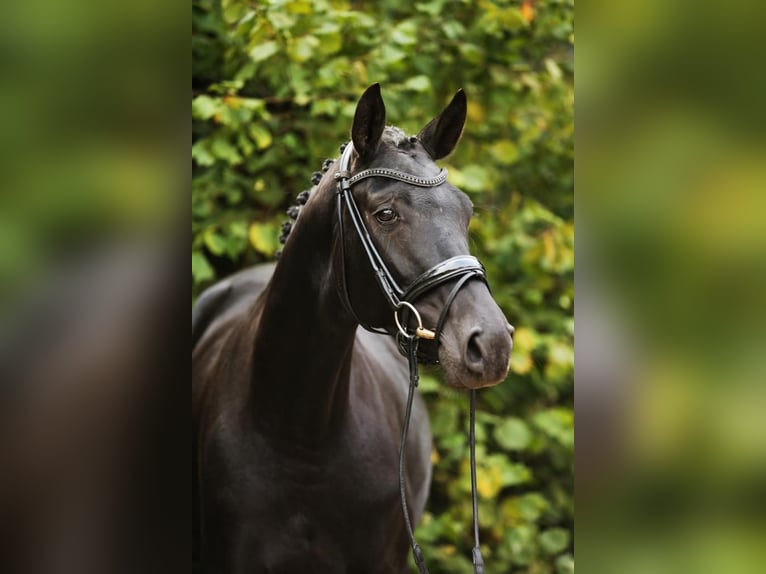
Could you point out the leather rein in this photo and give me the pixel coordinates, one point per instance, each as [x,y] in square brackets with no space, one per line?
[461,268]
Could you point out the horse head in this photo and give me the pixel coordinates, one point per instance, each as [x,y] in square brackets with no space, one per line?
[415,220]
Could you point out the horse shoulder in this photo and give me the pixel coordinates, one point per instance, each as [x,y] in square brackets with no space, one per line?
[220,311]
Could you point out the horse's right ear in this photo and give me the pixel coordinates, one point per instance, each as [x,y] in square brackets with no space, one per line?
[369,121]
[443,132]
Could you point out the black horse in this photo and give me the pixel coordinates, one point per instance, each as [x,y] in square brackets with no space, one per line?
[296,410]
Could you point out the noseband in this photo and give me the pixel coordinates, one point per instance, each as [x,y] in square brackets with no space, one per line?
[461,268]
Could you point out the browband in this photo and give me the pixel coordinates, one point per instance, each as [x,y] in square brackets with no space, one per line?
[440,178]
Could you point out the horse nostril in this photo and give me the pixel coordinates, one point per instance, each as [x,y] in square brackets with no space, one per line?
[473,354]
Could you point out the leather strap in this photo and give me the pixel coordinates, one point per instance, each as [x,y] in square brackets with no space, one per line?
[412,360]
[478,560]
[411,346]
[440,178]
[443,272]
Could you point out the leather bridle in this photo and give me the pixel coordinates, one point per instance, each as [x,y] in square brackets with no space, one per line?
[461,268]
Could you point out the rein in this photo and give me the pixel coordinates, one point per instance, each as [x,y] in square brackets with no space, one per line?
[462,267]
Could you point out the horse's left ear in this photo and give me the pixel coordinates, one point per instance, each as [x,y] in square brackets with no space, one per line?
[443,132]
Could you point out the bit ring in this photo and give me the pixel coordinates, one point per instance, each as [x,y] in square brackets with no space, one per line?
[419,330]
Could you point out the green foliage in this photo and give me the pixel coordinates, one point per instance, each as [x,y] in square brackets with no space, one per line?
[275,85]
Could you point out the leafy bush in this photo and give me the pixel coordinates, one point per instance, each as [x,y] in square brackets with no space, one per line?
[275,84]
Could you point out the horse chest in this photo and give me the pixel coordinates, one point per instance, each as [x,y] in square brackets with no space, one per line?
[335,510]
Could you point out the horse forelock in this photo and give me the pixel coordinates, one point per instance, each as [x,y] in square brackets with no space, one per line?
[394,136]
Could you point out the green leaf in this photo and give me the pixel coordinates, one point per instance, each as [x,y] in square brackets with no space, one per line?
[565,564]
[471,53]
[494,472]
[303,48]
[445,419]
[214,242]
[418,83]
[238,229]
[233,10]
[428,384]
[390,55]
[405,33]
[560,360]
[236,241]
[515,474]
[557,423]
[324,107]
[476,178]
[201,153]
[554,540]
[223,149]
[511,19]
[505,152]
[453,29]
[201,269]
[264,51]
[298,6]
[330,43]
[261,135]
[270,195]
[531,506]
[205,107]
[513,434]
[520,540]
[553,69]
[432,8]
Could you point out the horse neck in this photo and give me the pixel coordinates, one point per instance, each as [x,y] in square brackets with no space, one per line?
[304,337]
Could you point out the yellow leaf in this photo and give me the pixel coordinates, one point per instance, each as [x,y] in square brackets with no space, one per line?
[521,363]
[475,112]
[263,237]
[489,482]
[524,339]
[549,248]
[261,136]
[505,151]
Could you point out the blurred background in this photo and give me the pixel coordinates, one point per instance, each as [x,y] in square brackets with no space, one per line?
[671,253]
[85,147]
[93,433]
[274,88]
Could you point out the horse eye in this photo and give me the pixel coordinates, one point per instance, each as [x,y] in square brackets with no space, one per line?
[386,215]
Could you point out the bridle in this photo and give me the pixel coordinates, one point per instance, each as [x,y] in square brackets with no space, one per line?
[461,268]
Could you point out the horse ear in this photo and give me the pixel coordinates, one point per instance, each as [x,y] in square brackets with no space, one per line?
[369,121]
[443,132]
